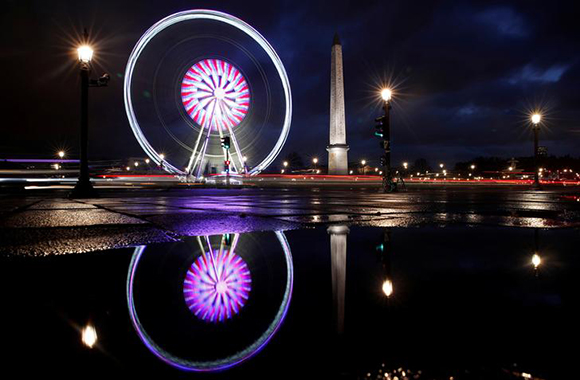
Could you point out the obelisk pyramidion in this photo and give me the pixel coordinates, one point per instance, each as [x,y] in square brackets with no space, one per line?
[337,150]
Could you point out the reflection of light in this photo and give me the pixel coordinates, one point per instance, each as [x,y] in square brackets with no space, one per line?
[536,260]
[388,288]
[217,287]
[218,363]
[89,336]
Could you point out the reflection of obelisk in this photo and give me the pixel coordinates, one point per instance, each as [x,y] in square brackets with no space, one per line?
[337,150]
[338,264]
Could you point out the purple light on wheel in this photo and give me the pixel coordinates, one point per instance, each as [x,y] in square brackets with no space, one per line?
[216,288]
[215,94]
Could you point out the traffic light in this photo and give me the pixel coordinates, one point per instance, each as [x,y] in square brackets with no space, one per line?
[226,142]
[380,126]
[383,161]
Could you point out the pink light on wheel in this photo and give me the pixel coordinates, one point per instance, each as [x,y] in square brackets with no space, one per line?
[216,288]
[215,94]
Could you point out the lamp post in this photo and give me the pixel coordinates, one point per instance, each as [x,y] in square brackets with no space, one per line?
[388,185]
[83,187]
[315,162]
[536,118]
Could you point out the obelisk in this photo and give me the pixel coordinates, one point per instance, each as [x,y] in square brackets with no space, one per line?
[337,150]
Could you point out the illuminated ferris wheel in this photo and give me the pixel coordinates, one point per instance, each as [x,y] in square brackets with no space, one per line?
[198,78]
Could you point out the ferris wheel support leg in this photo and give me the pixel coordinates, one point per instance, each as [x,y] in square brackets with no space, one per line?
[234,242]
[193,154]
[201,156]
[238,151]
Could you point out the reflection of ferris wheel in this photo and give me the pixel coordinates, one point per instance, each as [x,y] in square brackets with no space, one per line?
[197,77]
[218,283]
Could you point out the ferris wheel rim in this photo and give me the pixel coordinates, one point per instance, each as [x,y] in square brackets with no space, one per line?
[220,17]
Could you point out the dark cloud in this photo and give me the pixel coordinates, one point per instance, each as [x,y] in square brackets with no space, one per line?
[467,72]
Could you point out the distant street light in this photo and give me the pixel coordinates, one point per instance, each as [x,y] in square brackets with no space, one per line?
[363,162]
[84,187]
[285,163]
[61,154]
[472,167]
[405,165]
[536,118]
[147,160]
[315,161]
[441,166]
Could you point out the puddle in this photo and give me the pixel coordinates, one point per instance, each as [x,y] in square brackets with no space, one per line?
[350,302]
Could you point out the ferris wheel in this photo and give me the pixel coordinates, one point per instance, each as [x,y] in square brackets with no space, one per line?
[200,79]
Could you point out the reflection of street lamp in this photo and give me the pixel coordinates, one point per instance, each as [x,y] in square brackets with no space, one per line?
[536,118]
[388,287]
[89,336]
[536,261]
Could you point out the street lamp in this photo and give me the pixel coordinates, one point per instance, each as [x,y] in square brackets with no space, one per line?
[315,161]
[83,187]
[441,166]
[285,163]
[536,118]
[61,154]
[385,122]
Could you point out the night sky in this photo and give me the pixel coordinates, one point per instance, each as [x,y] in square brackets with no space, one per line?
[466,73]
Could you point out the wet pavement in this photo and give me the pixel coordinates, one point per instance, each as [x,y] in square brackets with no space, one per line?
[49,223]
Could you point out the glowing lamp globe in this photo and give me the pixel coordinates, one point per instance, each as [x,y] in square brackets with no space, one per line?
[536,118]
[85,54]
[386,94]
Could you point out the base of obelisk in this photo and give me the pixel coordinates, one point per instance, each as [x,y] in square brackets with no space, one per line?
[337,159]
